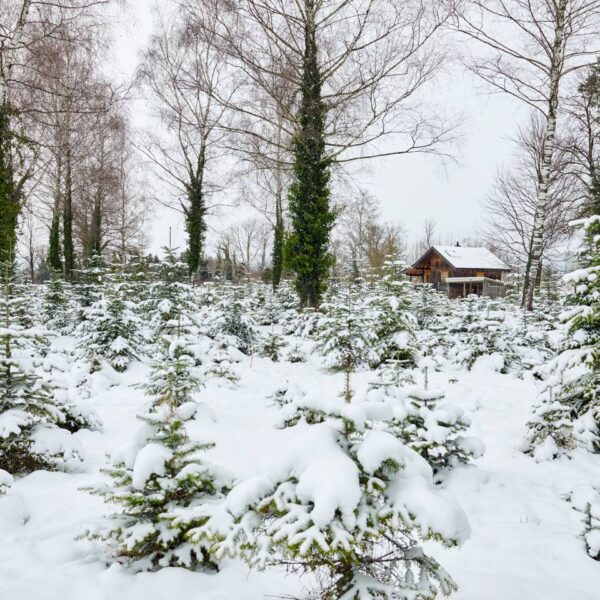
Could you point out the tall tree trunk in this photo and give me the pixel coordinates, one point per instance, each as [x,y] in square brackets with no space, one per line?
[10,200]
[54,259]
[68,247]
[9,51]
[549,147]
[95,248]
[311,217]
[278,235]
[195,216]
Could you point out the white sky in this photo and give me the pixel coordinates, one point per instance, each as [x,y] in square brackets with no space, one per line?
[410,188]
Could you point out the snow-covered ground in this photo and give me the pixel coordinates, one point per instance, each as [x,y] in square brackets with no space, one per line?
[524,545]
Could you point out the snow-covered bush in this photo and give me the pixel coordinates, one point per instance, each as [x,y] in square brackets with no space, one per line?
[6,480]
[591,533]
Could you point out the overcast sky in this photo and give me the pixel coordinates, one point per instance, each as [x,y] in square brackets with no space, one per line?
[410,188]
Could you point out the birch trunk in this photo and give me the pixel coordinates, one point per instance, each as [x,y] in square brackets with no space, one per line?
[9,52]
[556,69]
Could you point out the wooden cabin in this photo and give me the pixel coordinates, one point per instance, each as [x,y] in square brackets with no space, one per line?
[461,271]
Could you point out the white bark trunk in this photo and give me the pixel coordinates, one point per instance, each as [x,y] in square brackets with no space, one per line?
[9,52]
[556,69]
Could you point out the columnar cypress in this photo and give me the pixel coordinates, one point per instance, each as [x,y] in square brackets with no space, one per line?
[310,213]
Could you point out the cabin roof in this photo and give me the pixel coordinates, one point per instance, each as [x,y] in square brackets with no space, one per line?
[460,257]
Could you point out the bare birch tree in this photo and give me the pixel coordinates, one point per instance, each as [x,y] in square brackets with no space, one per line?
[530,50]
[511,206]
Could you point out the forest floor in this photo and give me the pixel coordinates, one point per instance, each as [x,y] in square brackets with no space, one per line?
[524,545]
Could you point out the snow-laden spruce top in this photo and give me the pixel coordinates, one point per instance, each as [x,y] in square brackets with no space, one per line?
[470,258]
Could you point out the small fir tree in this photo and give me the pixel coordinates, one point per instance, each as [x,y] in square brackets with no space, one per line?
[434,428]
[346,335]
[232,325]
[111,330]
[168,473]
[57,306]
[359,539]
[26,400]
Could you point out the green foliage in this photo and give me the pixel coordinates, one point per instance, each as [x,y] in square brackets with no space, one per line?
[111,329]
[68,246]
[195,219]
[26,400]
[311,216]
[570,412]
[54,259]
[168,474]
[10,192]
[277,252]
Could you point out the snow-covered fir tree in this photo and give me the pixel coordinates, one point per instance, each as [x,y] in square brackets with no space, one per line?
[170,304]
[391,374]
[392,320]
[295,354]
[342,504]
[231,324]
[479,329]
[272,346]
[569,414]
[434,428]
[58,306]
[110,332]
[167,471]
[219,365]
[26,400]
[88,280]
[346,334]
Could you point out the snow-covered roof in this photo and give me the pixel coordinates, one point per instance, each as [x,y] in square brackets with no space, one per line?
[470,258]
[461,257]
